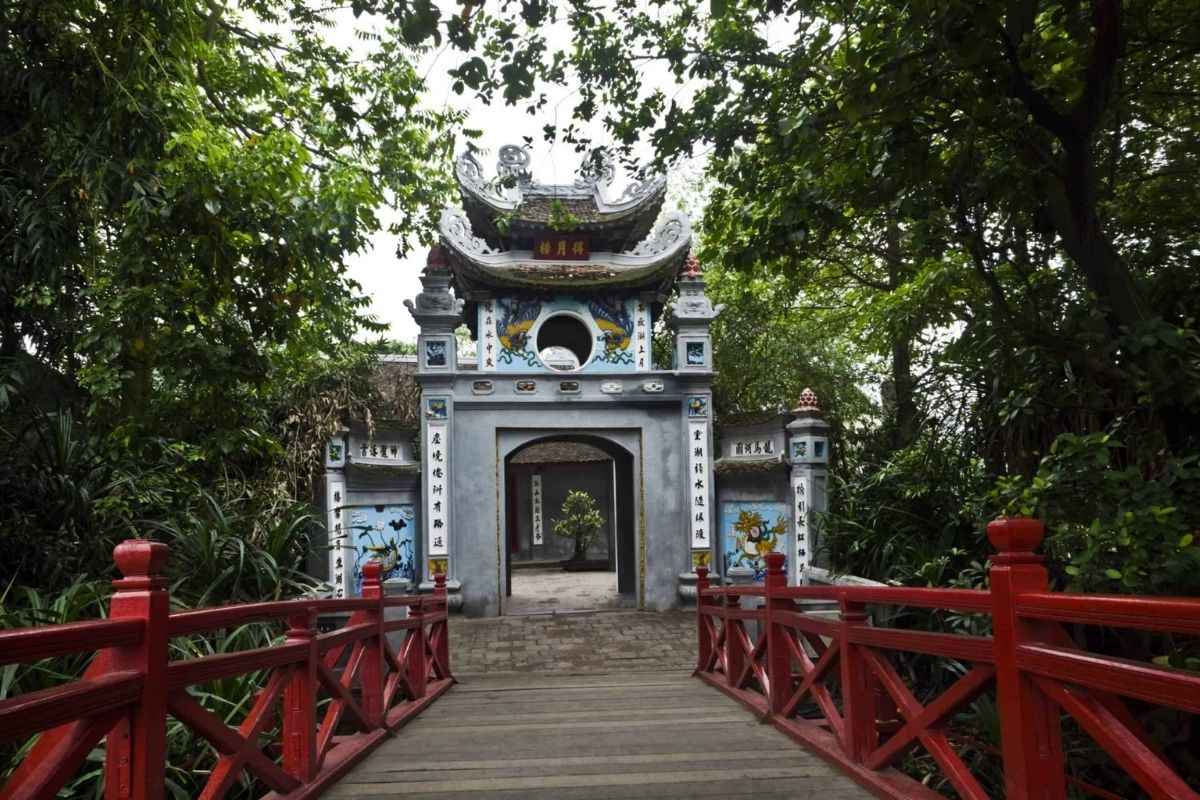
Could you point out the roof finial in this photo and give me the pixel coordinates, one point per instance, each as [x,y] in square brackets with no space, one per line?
[435,261]
[691,267]
[807,401]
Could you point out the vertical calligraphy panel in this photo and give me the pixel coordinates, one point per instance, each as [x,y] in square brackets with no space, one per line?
[698,484]
[801,497]
[642,337]
[437,477]
[488,345]
[535,496]
[341,552]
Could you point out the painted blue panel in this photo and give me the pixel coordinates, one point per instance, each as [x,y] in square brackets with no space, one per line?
[619,327]
[751,530]
[384,533]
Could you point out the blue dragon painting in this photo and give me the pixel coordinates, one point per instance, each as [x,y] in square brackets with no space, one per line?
[616,329]
[513,328]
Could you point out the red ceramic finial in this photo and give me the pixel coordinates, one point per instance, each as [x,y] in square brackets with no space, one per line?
[142,562]
[691,267]
[141,558]
[807,401]
[435,258]
[1016,534]
[435,261]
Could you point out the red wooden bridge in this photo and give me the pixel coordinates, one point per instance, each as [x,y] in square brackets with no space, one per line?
[850,687]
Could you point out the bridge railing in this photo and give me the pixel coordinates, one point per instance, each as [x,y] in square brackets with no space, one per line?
[835,684]
[325,701]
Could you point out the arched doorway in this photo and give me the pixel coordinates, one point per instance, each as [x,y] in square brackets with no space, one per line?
[541,574]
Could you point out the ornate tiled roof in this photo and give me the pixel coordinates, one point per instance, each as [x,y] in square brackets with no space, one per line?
[396,381]
[559,453]
[527,206]
[745,419]
[747,466]
[652,263]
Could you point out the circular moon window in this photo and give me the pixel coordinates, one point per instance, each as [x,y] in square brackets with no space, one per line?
[564,342]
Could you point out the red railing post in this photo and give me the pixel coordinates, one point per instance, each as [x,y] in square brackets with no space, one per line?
[372,673]
[442,640]
[779,659]
[704,643]
[300,702]
[418,663]
[734,658]
[860,734]
[1030,730]
[136,749]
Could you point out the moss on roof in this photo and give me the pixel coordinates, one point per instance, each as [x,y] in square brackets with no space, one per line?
[559,453]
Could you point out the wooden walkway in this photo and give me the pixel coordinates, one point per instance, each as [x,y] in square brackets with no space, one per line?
[546,736]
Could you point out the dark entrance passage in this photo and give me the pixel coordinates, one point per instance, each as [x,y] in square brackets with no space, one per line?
[542,573]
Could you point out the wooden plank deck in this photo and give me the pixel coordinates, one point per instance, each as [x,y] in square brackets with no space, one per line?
[546,736]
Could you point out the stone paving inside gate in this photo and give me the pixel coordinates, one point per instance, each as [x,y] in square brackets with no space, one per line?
[574,643]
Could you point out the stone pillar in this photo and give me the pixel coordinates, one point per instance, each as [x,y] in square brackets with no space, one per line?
[693,315]
[808,453]
[340,545]
[438,313]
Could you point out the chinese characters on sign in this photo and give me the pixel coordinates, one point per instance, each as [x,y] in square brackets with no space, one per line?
[560,248]
[751,447]
[378,452]
[536,498]
[437,472]
[642,338]
[801,498]
[341,553]
[698,483]
[487,329]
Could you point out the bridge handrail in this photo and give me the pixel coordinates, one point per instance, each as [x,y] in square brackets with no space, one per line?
[131,686]
[873,716]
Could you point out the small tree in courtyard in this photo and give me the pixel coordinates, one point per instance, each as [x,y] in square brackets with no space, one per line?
[579,520]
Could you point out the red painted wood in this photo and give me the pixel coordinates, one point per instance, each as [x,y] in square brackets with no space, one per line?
[1038,671]
[440,635]
[33,644]
[128,691]
[418,663]
[1173,614]
[778,657]
[731,624]
[1030,731]
[1151,772]
[136,748]
[300,701]
[371,680]
[858,698]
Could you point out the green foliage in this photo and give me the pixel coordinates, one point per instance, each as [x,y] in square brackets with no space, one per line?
[977,207]
[1137,533]
[561,219]
[580,520]
[233,552]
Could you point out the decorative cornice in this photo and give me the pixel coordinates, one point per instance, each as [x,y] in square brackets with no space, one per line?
[456,228]
[673,230]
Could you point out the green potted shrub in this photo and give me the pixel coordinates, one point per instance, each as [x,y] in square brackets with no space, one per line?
[580,520]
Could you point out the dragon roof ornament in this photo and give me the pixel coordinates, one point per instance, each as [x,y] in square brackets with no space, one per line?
[455,226]
[674,229]
[514,180]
